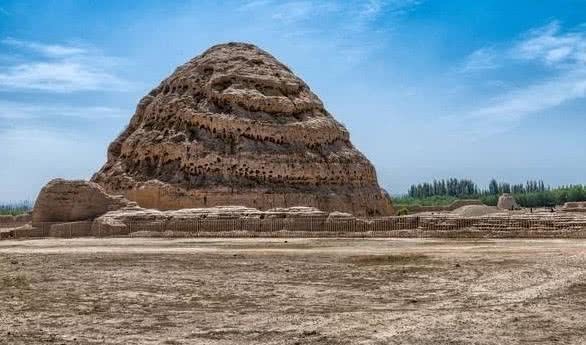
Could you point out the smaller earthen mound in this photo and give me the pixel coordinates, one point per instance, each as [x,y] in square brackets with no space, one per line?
[68,201]
[507,202]
[138,214]
[123,220]
[579,206]
[475,210]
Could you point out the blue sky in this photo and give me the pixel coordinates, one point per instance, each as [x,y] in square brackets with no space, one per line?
[428,89]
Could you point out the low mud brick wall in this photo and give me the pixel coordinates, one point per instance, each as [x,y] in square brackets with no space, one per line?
[71,229]
[7,221]
[440,226]
[448,208]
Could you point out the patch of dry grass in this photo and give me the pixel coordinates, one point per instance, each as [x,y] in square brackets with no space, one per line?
[578,290]
[393,259]
[18,281]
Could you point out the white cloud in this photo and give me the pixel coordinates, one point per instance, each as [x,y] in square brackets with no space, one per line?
[54,50]
[562,54]
[537,97]
[551,46]
[60,76]
[60,68]
[346,27]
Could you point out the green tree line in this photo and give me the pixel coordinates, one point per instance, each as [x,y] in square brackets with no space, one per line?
[15,208]
[534,193]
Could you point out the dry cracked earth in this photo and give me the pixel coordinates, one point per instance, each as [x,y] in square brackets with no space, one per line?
[295,291]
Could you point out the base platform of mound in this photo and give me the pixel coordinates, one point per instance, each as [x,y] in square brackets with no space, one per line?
[152,223]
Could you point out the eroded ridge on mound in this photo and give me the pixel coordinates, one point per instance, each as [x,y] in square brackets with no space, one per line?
[230,124]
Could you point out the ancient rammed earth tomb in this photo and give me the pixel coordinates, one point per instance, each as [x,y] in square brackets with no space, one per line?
[234,126]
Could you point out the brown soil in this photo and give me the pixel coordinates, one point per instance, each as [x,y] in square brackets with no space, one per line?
[319,291]
[475,211]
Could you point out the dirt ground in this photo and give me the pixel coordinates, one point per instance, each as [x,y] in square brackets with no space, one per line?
[296,291]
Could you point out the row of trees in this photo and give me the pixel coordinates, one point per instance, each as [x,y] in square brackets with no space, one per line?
[531,194]
[467,188]
[450,187]
[15,208]
[495,188]
[546,198]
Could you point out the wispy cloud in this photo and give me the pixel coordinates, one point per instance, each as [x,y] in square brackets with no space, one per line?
[509,108]
[249,5]
[60,76]
[347,27]
[33,111]
[60,68]
[479,60]
[373,8]
[55,50]
[351,13]
[563,56]
[291,12]
[553,47]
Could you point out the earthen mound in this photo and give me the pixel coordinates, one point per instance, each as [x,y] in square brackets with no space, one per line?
[507,202]
[475,210]
[576,206]
[234,126]
[67,201]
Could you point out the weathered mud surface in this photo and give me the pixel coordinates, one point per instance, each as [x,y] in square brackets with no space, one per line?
[234,126]
[146,291]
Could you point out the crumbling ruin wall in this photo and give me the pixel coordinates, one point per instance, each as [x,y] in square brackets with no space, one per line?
[8,221]
[576,206]
[518,226]
[448,208]
[507,202]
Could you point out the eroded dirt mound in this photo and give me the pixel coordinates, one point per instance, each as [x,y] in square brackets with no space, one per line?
[230,124]
[67,201]
[475,210]
[185,220]
[507,202]
[574,206]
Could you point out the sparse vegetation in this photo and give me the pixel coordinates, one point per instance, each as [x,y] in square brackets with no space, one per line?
[395,259]
[18,281]
[15,208]
[548,198]
[403,211]
[436,200]
[82,292]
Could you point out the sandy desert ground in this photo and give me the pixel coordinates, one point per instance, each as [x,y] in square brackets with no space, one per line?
[296,291]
